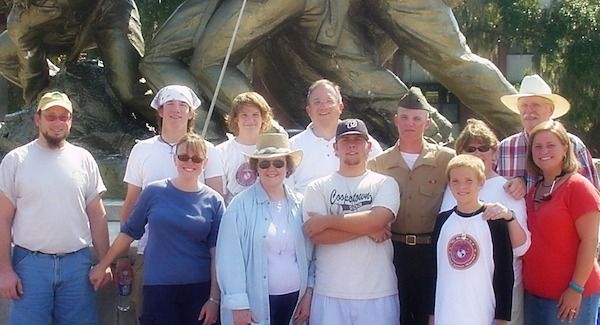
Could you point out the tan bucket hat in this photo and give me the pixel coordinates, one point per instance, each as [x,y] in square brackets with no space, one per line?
[534,85]
[271,145]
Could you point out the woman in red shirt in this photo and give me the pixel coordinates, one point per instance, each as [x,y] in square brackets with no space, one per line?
[560,270]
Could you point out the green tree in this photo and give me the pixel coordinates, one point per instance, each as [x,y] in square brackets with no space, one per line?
[565,41]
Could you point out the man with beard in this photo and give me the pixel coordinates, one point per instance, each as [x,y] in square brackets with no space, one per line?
[50,201]
[347,215]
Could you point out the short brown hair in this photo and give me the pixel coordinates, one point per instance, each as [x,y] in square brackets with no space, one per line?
[289,165]
[569,163]
[252,99]
[194,143]
[324,82]
[467,161]
[476,131]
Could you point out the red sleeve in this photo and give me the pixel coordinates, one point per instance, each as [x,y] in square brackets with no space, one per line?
[583,196]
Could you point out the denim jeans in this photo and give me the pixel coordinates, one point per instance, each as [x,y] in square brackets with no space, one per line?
[544,311]
[55,289]
[174,303]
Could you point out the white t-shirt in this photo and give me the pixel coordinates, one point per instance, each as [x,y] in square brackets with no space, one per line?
[282,265]
[50,190]
[238,175]
[318,159]
[410,159]
[151,160]
[493,192]
[465,285]
[359,268]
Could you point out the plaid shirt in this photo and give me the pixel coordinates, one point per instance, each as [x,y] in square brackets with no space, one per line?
[512,159]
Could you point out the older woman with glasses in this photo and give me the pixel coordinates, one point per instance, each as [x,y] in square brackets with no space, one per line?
[262,255]
[560,270]
[183,217]
[479,140]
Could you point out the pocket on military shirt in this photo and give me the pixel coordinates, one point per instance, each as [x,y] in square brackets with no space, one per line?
[431,188]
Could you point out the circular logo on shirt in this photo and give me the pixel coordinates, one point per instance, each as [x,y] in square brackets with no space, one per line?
[463,251]
[244,175]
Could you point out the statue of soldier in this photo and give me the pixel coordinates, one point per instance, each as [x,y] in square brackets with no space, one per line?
[39,28]
[190,46]
[329,44]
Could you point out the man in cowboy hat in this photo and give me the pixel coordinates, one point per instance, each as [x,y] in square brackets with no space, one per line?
[535,103]
[419,168]
[346,215]
[51,210]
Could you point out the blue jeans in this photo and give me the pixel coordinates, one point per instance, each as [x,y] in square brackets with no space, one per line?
[544,311]
[55,288]
[174,304]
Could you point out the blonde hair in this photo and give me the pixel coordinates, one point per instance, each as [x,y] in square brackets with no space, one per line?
[252,99]
[569,163]
[467,161]
[476,131]
[194,143]
[324,82]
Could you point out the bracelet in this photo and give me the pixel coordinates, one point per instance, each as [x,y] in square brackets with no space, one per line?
[123,257]
[511,218]
[576,287]
[214,301]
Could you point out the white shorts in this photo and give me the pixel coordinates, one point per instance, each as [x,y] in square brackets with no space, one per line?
[381,311]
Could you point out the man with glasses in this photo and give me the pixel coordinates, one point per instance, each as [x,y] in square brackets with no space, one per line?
[324,107]
[346,215]
[535,103]
[50,201]
[420,170]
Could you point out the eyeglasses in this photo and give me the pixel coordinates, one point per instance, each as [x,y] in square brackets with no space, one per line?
[547,196]
[471,149]
[264,164]
[185,157]
[53,117]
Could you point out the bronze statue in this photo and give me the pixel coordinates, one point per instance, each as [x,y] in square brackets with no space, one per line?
[188,53]
[37,29]
[342,40]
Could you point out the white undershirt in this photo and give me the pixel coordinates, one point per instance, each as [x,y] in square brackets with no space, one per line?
[410,159]
[283,273]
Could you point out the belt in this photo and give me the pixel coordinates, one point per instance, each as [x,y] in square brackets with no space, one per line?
[47,254]
[412,239]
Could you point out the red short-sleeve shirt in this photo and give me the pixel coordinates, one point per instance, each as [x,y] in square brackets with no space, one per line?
[549,263]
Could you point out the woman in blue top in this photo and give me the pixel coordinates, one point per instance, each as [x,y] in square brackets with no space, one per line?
[183,217]
[262,255]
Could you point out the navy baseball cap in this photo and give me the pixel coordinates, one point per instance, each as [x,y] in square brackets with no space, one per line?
[351,126]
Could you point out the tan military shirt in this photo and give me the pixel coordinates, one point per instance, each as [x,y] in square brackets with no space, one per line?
[421,189]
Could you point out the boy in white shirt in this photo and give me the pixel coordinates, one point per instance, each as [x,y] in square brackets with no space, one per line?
[473,256]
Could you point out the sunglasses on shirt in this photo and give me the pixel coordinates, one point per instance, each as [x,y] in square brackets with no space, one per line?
[185,157]
[471,149]
[264,164]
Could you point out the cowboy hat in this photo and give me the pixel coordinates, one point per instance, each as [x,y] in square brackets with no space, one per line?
[271,145]
[534,85]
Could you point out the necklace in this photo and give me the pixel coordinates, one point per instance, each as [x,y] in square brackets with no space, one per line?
[278,227]
[171,146]
[542,197]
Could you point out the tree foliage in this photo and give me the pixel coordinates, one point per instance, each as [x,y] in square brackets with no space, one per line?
[564,39]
